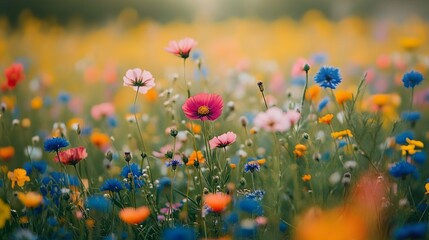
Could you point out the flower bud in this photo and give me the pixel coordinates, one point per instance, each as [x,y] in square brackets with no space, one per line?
[306,68]
[173,132]
[261,86]
[127,156]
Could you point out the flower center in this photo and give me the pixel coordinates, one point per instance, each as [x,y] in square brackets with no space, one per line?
[203,110]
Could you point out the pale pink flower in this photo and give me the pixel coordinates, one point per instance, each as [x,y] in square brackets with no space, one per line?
[139,80]
[293,117]
[102,110]
[274,119]
[181,48]
[298,67]
[169,147]
[222,140]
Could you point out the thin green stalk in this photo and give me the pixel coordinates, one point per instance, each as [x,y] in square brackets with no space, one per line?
[184,78]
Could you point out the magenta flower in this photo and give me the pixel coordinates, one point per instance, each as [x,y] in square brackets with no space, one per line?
[274,119]
[222,140]
[139,80]
[71,156]
[203,106]
[181,48]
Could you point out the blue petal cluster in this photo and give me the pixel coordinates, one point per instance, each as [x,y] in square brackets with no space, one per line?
[256,195]
[112,185]
[402,169]
[401,138]
[328,77]
[322,104]
[250,206]
[39,166]
[252,167]
[420,157]
[412,78]
[55,144]
[411,116]
[133,168]
[411,231]
[179,233]
[98,203]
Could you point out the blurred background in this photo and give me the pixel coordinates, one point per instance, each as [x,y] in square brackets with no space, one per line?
[99,11]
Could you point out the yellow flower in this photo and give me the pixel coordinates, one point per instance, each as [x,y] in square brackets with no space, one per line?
[410,43]
[306,177]
[4,213]
[326,119]
[416,143]
[18,176]
[341,134]
[30,199]
[23,220]
[381,100]
[36,103]
[341,96]
[232,165]
[408,149]
[427,188]
[195,156]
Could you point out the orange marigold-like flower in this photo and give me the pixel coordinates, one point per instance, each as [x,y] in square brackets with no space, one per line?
[313,93]
[195,156]
[217,201]
[306,177]
[30,199]
[342,96]
[326,119]
[134,215]
[7,152]
[100,140]
[299,150]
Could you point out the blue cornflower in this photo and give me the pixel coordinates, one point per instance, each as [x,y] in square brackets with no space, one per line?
[328,77]
[55,144]
[133,169]
[64,97]
[412,78]
[282,226]
[411,231]
[411,116]
[52,221]
[322,104]
[231,218]
[40,166]
[179,233]
[112,121]
[251,167]
[420,157]
[256,195]
[402,169]
[163,183]
[98,203]
[113,185]
[250,206]
[137,184]
[401,138]
[342,144]
[174,163]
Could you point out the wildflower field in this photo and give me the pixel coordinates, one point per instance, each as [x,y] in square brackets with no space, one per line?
[303,129]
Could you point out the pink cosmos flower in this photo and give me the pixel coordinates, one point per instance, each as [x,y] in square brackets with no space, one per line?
[203,106]
[274,119]
[139,80]
[222,140]
[102,110]
[181,48]
[72,156]
[293,117]
[169,147]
